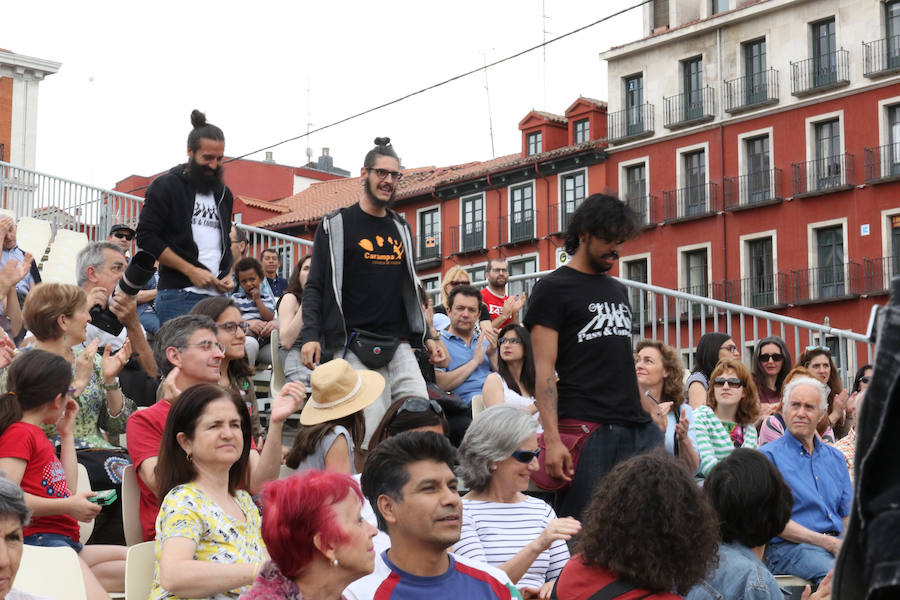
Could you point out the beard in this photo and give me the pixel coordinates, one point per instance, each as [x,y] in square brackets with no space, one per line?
[601,267]
[204,179]
[370,193]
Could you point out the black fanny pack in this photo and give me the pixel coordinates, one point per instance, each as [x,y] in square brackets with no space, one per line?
[373,350]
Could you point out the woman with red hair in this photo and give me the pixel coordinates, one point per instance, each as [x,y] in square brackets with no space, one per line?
[316,538]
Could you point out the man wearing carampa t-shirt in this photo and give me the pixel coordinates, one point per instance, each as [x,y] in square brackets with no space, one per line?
[580,323]
[185,224]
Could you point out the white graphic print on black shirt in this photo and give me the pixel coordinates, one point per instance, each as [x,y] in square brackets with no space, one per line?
[207,236]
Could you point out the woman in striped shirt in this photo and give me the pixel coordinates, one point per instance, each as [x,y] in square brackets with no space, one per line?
[727,421]
[501,525]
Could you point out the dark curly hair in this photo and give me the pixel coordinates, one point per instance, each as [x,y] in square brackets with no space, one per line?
[834,381]
[601,216]
[752,499]
[646,515]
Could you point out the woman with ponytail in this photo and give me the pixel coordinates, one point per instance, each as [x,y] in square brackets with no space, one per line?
[39,393]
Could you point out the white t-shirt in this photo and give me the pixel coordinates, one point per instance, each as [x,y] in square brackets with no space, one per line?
[208,237]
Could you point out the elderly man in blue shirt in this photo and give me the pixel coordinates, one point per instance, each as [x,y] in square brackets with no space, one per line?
[818,477]
[472,356]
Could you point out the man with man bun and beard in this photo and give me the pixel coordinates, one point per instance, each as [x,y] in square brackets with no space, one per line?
[580,323]
[362,289]
[185,224]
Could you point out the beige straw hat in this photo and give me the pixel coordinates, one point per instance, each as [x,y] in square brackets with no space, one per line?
[338,390]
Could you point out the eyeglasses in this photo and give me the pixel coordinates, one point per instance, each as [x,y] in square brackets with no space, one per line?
[733,382]
[773,357]
[731,348]
[499,270]
[506,340]
[124,236]
[526,456]
[232,326]
[865,379]
[825,349]
[417,405]
[207,345]
[460,282]
[382,173]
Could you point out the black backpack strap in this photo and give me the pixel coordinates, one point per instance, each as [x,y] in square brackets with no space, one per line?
[610,591]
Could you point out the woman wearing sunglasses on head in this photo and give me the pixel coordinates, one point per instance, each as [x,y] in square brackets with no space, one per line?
[501,525]
[411,414]
[513,383]
[235,372]
[726,422]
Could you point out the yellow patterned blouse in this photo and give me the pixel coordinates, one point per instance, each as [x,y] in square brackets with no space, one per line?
[188,512]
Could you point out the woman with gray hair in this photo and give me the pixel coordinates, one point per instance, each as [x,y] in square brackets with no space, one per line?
[502,526]
[14,515]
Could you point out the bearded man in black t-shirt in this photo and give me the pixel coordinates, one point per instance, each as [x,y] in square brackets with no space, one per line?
[580,323]
[362,281]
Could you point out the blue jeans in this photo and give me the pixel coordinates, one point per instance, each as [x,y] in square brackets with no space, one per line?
[52,540]
[800,560]
[149,320]
[605,448]
[173,303]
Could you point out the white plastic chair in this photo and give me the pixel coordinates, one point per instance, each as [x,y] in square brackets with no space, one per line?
[477,405]
[139,570]
[51,572]
[131,507]
[33,235]
[84,485]
[277,381]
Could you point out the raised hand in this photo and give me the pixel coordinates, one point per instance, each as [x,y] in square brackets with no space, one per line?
[7,350]
[681,428]
[114,363]
[558,529]
[84,366]
[289,401]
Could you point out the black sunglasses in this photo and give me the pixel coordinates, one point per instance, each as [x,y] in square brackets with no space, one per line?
[526,456]
[731,381]
[865,379]
[417,405]
[767,357]
[124,236]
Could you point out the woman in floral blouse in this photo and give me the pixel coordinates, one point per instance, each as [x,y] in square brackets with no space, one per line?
[208,540]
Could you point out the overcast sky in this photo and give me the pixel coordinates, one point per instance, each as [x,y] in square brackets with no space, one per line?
[131,74]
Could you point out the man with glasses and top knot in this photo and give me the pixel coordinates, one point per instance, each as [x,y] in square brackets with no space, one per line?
[189,353]
[361,300]
[580,322]
[185,223]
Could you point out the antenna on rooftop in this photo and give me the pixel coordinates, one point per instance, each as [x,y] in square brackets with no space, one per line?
[487,93]
[309,150]
[544,19]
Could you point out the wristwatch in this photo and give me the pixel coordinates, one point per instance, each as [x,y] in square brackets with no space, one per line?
[112,386]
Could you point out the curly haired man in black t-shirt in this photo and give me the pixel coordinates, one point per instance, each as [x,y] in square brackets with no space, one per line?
[580,322]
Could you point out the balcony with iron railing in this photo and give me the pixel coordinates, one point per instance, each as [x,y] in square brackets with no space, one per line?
[690,108]
[878,272]
[518,227]
[645,207]
[471,240]
[881,57]
[832,282]
[761,291]
[630,124]
[823,175]
[428,250]
[882,163]
[820,73]
[691,202]
[753,189]
[751,91]
[558,219]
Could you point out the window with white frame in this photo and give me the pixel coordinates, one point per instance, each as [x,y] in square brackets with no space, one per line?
[636,190]
[693,199]
[759,286]
[521,212]
[582,131]
[573,188]
[695,265]
[429,233]
[828,276]
[534,143]
[757,180]
[638,269]
[521,266]
[432,285]
[472,223]
[477,272]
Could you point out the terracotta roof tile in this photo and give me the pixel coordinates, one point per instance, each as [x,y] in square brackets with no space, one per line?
[264,204]
[550,116]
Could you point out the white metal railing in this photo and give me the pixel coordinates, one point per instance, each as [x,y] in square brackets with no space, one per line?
[92,210]
[679,319]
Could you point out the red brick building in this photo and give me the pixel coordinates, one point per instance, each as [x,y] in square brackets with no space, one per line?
[20,77]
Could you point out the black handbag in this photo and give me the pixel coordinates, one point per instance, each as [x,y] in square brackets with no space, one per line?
[373,350]
[451,402]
